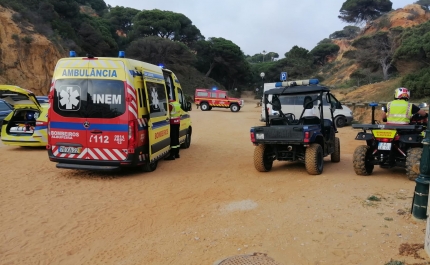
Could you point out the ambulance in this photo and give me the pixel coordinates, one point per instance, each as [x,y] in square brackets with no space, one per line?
[107,113]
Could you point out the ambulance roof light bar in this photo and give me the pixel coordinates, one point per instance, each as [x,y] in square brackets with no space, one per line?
[121,54]
[304,82]
[72,54]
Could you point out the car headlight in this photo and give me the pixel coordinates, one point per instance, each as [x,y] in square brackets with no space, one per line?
[259,136]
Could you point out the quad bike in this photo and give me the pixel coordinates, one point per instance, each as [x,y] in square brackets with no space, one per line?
[389,145]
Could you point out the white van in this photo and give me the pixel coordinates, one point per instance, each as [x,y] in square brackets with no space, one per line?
[294,104]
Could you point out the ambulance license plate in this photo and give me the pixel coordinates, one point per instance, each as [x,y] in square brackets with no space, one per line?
[70,149]
[384,146]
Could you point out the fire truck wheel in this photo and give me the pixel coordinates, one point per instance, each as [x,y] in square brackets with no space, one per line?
[361,161]
[149,167]
[204,106]
[187,142]
[413,156]
[234,107]
[314,159]
[262,160]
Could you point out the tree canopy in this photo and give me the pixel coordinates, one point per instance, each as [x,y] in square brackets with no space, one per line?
[165,24]
[348,32]
[357,11]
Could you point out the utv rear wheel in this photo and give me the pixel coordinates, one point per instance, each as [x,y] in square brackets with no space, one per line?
[335,156]
[149,167]
[234,107]
[262,160]
[413,157]
[314,159]
[361,161]
[204,106]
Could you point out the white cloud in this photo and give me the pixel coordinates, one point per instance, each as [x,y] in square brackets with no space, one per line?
[257,25]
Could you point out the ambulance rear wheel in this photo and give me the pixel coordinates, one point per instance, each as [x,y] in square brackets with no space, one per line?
[234,107]
[149,167]
[186,144]
[204,106]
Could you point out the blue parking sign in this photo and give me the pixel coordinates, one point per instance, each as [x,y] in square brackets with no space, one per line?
[283,76]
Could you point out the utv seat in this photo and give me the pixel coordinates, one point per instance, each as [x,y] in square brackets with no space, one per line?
[279,121]
[310,120]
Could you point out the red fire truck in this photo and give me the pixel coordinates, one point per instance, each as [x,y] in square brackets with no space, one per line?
[214,98]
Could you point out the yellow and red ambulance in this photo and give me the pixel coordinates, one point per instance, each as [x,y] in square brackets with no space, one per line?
[215,98]
[106,113]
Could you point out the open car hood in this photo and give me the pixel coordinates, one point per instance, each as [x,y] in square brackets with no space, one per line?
[18,95]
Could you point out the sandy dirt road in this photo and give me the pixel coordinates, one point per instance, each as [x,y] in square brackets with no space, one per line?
[208,205]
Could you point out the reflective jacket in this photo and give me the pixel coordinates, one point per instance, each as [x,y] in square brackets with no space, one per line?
[175,112]
[399,112]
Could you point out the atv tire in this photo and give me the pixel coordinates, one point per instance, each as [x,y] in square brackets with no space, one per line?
[361,161]
[262,162]
[335,156]
[413,156]
[314,159]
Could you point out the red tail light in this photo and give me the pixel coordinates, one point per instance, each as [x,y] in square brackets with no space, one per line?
[252,137]
[131,136]
[384,140]
[307,137]
[170,107]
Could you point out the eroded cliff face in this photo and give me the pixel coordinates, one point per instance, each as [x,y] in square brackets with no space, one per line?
[408,16]
[28,65]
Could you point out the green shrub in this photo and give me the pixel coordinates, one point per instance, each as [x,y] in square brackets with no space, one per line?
[28,39]
[418,83]
[15,37]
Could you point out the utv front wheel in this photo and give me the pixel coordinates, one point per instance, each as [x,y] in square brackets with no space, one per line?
[262,160]
[314,159]
[361,161]
[335,156]
[413,156]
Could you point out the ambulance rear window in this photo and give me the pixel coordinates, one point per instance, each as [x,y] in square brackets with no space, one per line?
[89,98]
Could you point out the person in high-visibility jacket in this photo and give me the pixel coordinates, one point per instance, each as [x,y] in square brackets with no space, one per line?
[175,122]
[400,111]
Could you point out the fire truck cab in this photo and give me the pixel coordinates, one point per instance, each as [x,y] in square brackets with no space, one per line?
[106,113]
[214,98]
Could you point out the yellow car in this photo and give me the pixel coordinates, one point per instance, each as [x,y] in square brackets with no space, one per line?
[27,124]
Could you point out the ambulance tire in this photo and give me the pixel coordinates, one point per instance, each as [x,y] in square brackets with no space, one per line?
[186,144]
[234,108]
[204,106]
[149,167]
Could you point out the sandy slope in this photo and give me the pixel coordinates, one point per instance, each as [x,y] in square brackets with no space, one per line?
[208,205]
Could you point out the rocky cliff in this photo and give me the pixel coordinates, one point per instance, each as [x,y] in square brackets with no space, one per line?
[408,16]
[26,59]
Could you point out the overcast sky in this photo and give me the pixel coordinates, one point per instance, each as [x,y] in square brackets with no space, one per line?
[257,25]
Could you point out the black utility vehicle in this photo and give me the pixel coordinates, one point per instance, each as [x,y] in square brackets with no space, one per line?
[306,138]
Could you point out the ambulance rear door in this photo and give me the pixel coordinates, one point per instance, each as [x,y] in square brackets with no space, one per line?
[107,119]
[67,131]
[159,121]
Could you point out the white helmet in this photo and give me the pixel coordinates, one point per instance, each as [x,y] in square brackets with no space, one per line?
[402,93]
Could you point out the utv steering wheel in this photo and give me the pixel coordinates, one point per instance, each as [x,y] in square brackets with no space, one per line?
[290,117]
